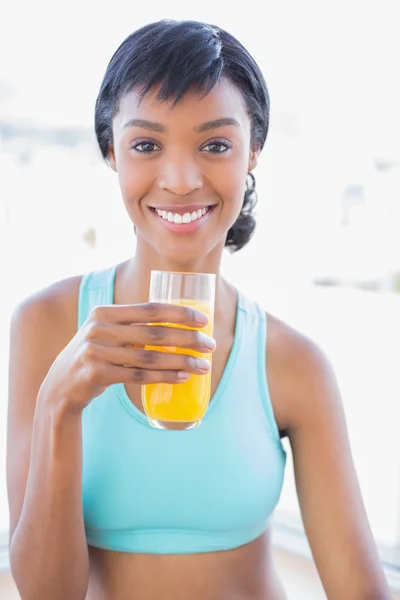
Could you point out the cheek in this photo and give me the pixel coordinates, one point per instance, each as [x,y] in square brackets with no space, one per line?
[232,186]
[134,182]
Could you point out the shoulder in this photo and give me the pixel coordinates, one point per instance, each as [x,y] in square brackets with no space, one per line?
[300,375]
[42,325]
[58,299]
[51,312]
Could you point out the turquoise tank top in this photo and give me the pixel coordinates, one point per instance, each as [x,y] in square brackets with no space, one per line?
[176,492]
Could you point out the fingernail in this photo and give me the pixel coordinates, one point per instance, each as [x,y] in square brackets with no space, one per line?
[203,364]
[183,375]
[200,317]
[209,342]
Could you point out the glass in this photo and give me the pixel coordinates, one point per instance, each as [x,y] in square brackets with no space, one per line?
[181,405]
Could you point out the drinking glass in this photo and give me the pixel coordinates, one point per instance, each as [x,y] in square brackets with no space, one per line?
[180,405]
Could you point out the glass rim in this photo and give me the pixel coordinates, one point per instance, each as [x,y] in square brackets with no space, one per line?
[189,273]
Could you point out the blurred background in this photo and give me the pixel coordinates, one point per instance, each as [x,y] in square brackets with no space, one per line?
[326,253]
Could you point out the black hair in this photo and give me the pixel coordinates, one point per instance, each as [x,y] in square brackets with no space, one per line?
[178,56]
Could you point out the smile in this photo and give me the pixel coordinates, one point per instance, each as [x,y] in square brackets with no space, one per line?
[183,219]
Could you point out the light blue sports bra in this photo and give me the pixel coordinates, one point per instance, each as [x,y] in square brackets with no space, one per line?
[177,492]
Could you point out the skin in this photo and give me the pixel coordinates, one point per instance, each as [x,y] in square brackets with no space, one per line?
[182,169]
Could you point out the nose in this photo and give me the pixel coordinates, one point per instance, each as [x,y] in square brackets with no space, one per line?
[180,176]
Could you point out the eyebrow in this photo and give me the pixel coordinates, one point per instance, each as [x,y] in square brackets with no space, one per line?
[144,125]
[223,122]
[159,128]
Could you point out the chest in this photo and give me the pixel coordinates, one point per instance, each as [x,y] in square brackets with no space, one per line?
[226,474]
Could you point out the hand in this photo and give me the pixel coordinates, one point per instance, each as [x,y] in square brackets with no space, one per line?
[109,348]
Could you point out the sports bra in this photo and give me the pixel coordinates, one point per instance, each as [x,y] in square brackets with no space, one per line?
[178,492]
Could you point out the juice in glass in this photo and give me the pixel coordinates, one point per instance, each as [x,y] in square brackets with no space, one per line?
[181,405]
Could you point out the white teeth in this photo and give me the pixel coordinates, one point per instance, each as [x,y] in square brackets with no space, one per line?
[178,218]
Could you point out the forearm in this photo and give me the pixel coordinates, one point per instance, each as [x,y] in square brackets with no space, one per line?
[375,588]
[382,592]
[48,550]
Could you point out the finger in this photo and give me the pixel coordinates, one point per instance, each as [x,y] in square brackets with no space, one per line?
[158,335]
[154,335]
[118,374]
[151,312]
[154,360]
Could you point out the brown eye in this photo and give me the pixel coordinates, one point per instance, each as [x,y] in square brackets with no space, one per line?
[216,147]
[146,147]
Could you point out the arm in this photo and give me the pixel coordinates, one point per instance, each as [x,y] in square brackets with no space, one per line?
[48,550]
[330,500]
[55,372]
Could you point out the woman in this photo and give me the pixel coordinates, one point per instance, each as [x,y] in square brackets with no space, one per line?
[104,507]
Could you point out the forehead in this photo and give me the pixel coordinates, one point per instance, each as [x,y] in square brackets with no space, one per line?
[224,100]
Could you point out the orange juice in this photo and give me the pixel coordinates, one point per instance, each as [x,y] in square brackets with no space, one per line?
[182,402]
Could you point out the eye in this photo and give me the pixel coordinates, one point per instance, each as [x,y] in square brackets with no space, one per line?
[146,147]
[217,147]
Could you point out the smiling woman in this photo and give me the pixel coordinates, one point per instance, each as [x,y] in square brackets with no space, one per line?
[107,506]
[187,156]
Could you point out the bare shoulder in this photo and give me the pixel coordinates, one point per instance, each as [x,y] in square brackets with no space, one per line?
[300,375]
[41,326]
[59,296]
[56,304]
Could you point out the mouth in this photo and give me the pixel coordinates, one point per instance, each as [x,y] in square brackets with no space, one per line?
[183,219]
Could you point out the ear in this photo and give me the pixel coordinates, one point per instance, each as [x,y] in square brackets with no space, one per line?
[253,158]
[111,158]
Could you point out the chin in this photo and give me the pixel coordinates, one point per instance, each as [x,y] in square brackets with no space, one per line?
[184,255]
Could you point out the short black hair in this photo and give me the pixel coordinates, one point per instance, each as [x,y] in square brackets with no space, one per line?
[178,56]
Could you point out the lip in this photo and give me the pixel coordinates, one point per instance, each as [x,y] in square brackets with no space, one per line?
[183,228]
